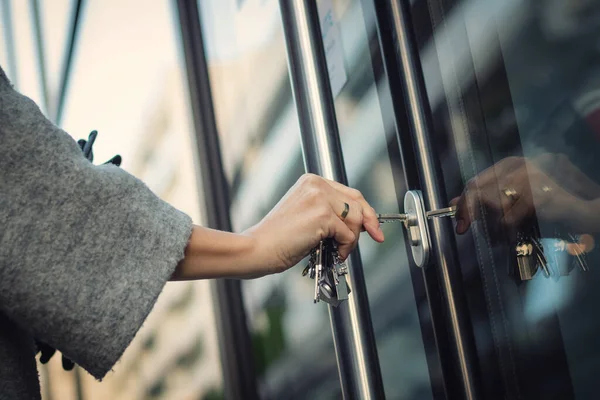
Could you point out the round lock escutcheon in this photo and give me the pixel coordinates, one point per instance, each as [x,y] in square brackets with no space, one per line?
[416,226]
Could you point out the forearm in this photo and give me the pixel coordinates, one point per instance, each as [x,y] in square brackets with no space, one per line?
[312,210]
[216,254]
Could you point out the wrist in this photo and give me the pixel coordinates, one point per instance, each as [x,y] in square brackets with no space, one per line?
[216,254]
[261,258]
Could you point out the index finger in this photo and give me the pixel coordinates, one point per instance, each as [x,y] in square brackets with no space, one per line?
[466,202]
[462,217]
[370,221]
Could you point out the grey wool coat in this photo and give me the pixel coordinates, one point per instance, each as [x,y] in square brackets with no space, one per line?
[84,250]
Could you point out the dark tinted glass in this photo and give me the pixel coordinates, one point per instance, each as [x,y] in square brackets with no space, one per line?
[514,91]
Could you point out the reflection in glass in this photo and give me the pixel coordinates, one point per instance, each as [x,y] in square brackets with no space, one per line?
[513,89]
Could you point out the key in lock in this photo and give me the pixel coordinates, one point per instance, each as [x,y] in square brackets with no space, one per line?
[414,220]
[329,272]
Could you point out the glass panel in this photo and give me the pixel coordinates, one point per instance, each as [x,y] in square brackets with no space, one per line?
[128,82]
[56,18]
[513,87]
[260,141]
[55,23]
[374,166]
[6,45]
[25,77]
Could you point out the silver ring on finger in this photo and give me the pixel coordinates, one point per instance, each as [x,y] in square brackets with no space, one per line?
[511,193]
[345,212]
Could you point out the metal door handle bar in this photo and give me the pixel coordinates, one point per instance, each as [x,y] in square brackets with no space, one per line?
[354,339]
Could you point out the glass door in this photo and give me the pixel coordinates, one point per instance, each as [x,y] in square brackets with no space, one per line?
[349,132]
[259,134]
[368,134]
[512,92]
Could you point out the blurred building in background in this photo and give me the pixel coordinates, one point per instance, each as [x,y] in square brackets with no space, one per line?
[129,83]
[175,354]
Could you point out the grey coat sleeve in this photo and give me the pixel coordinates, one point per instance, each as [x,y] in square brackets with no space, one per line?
[84,250]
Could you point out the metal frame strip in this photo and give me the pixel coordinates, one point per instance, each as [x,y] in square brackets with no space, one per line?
[40,50]
[354,339]
[11,53]
[68,63]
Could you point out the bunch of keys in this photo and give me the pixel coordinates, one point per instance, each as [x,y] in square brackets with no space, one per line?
[531,256]
[575,246]
[329,273]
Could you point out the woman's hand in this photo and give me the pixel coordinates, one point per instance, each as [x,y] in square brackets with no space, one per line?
[516,188]
[311,211]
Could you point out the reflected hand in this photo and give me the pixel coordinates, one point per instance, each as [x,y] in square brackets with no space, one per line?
[311,211]
[517,188]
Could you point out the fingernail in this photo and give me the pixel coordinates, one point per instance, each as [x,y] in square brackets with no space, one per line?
[376,228]
[461,226]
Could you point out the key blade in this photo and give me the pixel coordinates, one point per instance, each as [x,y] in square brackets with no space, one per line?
[392,217]
[443,212]
[317,280]
[319,269]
